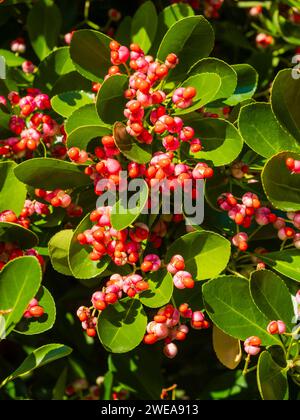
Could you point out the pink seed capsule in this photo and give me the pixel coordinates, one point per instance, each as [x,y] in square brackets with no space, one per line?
[276,327]
[170,350]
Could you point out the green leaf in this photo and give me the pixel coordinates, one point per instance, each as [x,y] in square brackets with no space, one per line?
[207,85]
[231,308]
[11,59]
[221,141]
[290,31]
[82,117]
[182,39]
[123,34]
[79,262]
[65,103]
[12,191]
[34,326]
[72,81]
[121,327]
[144,25]
[246,84]
[167,17]
[206,254]
[84,125]
[286,262]
[58,247]
[272,297]
[127,210]
[60,386]
[272,379]
[285,100]
[20,280]
[160,289]
[139,370]
[111,100]
[38,358]
[281,186]
[55,65]
[90,53]
[223,70]
[129,146]
[50,173]
[262,132]
[44,23]
[22,236]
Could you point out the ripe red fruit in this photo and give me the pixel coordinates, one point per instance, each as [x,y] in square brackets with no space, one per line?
[146,266]
[91,332]
[111,298]
[36,311]
[150,339]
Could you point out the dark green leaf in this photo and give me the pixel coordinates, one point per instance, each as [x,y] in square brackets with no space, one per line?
[90,53]
[111,100]
[129,146]
[12,191]
[281,186]
[272,379]
[50,173]
[231,308]
[121,327]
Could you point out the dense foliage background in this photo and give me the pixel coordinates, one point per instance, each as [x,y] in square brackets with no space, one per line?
[264,35]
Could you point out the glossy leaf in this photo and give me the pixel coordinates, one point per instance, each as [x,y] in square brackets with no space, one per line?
[65,103]
[121,327]
[38,358]
[281,186]
[182,39]
[228,349]
[33,326]
[20,280]
[58,247]
[221,141]
[80,264]
[12,191]
[207,85]
[231,308]
[144,25]
[262,132]
[167,17]
[90,53]
[272,296]
[50,173]
[22,236]
[44,23]
[206,254]
[286,262]
[129,146]
[272,379]
[160,289]
[55,65]
[223,70]
[246,84]
[110,99]
[285,100]
[11,59]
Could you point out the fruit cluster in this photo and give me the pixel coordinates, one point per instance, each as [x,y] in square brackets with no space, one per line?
[34,310]
[30,125]
[10,251]
[167,326]
[250,209]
